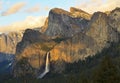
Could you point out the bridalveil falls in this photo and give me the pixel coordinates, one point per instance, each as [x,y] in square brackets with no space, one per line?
[47,67]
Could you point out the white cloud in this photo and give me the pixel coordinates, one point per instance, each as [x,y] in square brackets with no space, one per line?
[14,9]
[46,8]
[29,22]
[33,9]
[1,5]
[99,5]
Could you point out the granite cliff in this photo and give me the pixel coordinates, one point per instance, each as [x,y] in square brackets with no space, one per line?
[65,24]
[69,37]
[9,41]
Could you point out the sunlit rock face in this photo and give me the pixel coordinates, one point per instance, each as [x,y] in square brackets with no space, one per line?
[9,41]
[80,13]
[30,36]
[68,44]
[45,26]
[78,47]
[34,55]
[33,46]
[64,23]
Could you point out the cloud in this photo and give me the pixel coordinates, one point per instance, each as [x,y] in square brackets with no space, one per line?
[99,5]
[33,9]
[0,5]
[47,8]
[14,9]
[29,22]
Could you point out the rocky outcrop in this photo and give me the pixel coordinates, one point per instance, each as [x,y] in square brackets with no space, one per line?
[114,19]
[98,29]
[73,49]
[69,38]
[65,24]
[45,26]
[97,36]
[114,25]
[30,36]
[34,46]
[9,41]
[80,13]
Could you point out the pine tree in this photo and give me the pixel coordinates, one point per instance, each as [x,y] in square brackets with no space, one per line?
[106,72]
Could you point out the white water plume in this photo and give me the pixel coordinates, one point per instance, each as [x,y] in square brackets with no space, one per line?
[46,67]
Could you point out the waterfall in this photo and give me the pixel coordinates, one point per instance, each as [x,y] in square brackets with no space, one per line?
[9,64]
[46,67]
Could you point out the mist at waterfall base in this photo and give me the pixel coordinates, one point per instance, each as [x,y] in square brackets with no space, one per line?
[47,66]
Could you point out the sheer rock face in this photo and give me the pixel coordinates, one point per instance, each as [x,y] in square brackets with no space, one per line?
[114,19]
[33,53]
[83,45]
[98,29]
[114,25]
[64,24]
[30,36]
[45,26]
[33,46]
[80,13]
[85,39]
[9,41]
[78,47]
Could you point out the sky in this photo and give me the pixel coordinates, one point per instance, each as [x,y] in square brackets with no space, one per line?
[18,15]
